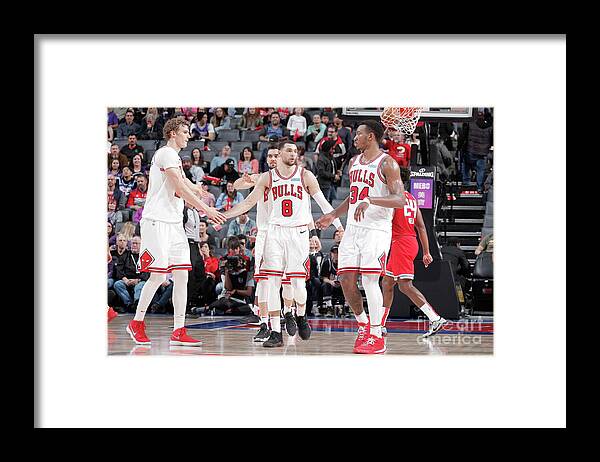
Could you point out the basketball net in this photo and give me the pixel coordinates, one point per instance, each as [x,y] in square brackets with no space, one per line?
[403,119]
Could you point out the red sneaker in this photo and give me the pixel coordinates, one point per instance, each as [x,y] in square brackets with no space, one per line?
[180,337]
[372,346]
[137,331]
[364,330]
[112,314]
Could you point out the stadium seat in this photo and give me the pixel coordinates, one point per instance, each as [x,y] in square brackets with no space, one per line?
[235,122]
[238,146]
[196,144]
[216,146]
[149,154]
[249,135]
[228,135]
[121,142]
[326,245]
[262,145]
[208,156]
[148,144]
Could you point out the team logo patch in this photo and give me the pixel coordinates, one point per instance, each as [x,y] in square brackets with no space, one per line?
[146,259]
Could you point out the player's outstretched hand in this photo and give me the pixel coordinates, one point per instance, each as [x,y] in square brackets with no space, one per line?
[427,259]
[247,178]
[325,221]
[359,213]
[215,216]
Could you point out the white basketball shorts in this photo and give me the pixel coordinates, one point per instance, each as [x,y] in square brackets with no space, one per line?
[164,247]
[363,250]
[286,251]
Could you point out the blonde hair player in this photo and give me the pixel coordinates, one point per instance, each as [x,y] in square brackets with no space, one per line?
[375,190]
[164,247]
[263,214]
[286,250]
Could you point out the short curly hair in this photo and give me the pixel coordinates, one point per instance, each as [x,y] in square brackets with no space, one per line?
[173,125]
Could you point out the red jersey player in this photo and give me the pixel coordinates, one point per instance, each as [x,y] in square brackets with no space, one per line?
[403,250]
[397,148]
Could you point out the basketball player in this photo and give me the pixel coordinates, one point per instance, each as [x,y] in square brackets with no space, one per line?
[400,267]
[375,190]
[164,247]
[289,187]
[263,212]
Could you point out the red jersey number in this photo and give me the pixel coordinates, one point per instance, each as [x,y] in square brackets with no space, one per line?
[287,209]
[354,196]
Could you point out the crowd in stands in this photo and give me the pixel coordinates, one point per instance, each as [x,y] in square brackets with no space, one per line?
[222,256]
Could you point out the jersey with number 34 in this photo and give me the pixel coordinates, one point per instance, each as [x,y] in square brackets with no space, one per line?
[403,223]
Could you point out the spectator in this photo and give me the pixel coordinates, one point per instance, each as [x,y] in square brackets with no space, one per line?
[115,153]
[325,118]
[486,245]
[274,131]
[208,198]
[315,132]
[114,194]
[336,146]
[112,215]
[327,173]
[243,224]
[475,144]
[337,236]
[306,162]
[345,133]
[113,124]
[251,120]
[459,263]
[229,198]
[237,282]
[150,130]
[221,158]
[333,294]
[314,288]
[191,222]
[198,166]
[213,275]
[112,237]
[284,113]
[115,168]
[136,166]
[297,124]
[220,120]
[110,270]
[128,127]
[244,245]
[186,164]
[247,163]
[137,198]
[397,147]
[132,148]
[226,171]
[204,235]
[126,181]
[128,281]
[202,129]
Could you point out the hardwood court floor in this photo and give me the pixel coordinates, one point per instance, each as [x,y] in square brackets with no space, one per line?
[226,336]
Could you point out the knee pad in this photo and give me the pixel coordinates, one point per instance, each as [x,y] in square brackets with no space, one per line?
[287,292]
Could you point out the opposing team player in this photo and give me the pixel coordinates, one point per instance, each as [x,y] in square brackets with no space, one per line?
[164,247]
[400,266]
[375,190]
[286,249]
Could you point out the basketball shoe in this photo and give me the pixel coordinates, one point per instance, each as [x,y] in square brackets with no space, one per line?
[364,330]
[263,333]
[290,323]
[137,331]
[303,327]
[112,314]
[373,345]
[435,327]
[274,340]
[181,338]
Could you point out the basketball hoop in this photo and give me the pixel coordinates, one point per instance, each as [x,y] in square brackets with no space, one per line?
[403,119]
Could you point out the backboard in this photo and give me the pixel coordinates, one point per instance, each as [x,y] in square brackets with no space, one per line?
[433,114]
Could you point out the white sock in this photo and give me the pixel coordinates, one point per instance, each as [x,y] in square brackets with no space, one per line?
[276,323]
[376,331]
[286,308]
[430,312]
[147,294]
[180,279]
[362,318]
[300,310]
[264,320]
[255,310]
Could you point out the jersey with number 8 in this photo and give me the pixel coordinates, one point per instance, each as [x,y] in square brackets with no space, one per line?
[290,199]
[403,223]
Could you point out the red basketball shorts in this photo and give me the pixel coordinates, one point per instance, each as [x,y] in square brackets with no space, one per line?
[400,263]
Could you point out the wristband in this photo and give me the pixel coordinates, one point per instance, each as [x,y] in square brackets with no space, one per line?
[313,233]
[366,199]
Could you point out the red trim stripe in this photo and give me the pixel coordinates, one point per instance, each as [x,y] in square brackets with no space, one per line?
[370,162]
[283,178]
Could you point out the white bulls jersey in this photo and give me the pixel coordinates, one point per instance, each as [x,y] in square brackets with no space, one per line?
[366,180]
[290,199]
[162,202]
[263,211]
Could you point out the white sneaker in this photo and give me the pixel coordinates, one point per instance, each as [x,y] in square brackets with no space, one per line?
[435,327]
